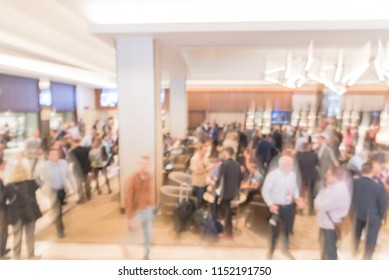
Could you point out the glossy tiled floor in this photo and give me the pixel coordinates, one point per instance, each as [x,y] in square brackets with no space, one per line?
[96,230]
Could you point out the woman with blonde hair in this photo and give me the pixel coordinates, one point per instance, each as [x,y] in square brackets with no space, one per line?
[99,162]
[23,209]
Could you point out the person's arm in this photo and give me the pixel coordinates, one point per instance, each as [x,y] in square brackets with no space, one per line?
[382,203]
[266,189]
[221,175]
[129,188]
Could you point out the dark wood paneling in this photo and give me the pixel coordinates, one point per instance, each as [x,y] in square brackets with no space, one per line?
[196,118]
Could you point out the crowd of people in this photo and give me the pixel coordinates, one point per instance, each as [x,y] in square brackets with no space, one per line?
[66,166]
[293,172]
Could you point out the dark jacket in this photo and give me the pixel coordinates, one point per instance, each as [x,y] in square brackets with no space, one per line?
[265,151]
[3,206]
[307,163]
[369,200]
[23,204]
[231,177]
[80,157]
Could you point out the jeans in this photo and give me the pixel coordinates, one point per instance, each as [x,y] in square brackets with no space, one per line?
[199,191]
[371,237]
[328,239]
[146,219]
[58,212]
[286,216]
[226,210]
[18,235]
[3,231]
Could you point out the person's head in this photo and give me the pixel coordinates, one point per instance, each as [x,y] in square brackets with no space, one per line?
[334,174]
[285,163]
[53,155]
[74,142]
[321,140]
[19,173]
[94,132]
[36,134]
[144,164]
[228,152]
[253,167]
[96,142]
[247,153]
[378,162]
[367,168]
[202,149]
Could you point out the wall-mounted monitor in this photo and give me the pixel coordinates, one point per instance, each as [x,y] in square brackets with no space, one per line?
[109,98]
[280,117]
[45,98]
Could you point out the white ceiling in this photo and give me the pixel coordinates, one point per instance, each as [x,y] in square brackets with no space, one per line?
[68,39]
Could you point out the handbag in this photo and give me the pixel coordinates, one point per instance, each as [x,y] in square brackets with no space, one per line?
[338,227]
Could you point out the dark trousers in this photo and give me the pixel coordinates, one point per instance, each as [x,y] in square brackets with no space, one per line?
[3,231]
[58,212]
[214,207]
[227,214]
[199,191]
[371,237]
[96,172]
[84,189]
[286,214]
[328,239]
[309,187]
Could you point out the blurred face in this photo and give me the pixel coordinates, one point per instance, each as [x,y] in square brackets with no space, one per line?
[53,155]
[144,165]
[286,164]
[377,168]
[320,141]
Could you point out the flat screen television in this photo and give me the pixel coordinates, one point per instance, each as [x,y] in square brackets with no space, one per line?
[109,98]
[280,117]
[45,99]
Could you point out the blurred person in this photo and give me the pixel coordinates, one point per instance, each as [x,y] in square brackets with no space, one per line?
[215,133]
[265,152]
[229,179]
[242,141]
[279,191]
[369,206]
[140,202]
[253,182]
[74,131]
[348,137]
[212,185]
[23,209]
[277,139]
[79,156]
[107,127]
[62,132]
[231,141]
[33,149]
[200,167]
[98,160]
[301,139]
[88,139]
[332,204]
[3,217]
[56,181]
[308,163]
[356,162]
[81,127]
[20,157]
[96,126]
[326,156]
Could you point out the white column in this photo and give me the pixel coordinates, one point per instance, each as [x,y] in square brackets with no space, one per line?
[139,107]
[178,108]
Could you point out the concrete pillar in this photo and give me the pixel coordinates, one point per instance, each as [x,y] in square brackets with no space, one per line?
[139,109]
[178,108]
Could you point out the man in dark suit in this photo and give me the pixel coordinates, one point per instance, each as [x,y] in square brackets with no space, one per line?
[3,219]
[231,177]
[265,152]
[308,161]
[369,207]
[79,156]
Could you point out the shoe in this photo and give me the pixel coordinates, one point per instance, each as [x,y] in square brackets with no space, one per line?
[269,255]
[98,191]
[146,258]
[6,251]
[288,255]
[35,258]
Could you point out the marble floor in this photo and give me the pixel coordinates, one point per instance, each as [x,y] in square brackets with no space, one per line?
[97,230]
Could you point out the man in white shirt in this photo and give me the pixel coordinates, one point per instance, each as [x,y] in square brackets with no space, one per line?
[280,191]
